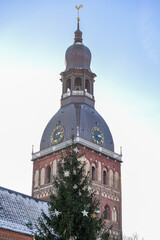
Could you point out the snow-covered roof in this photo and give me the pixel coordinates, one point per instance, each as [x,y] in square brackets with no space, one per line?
[19,212]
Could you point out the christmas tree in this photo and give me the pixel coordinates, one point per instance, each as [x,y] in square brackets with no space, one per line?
[73,209]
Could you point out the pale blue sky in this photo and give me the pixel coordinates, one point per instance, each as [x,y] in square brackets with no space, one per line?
[124,38]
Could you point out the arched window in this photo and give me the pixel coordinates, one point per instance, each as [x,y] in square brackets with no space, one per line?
[106,212]
[104,177]
[78,83]
[110,178]
[116,180]
[114,214]
[87,85]
[42,174]
[36,178]
[68,85]
[93,173]
[55,168]
[48,174]
[87,166]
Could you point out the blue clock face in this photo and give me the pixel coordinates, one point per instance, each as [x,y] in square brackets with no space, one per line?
[97,135]
[57,134]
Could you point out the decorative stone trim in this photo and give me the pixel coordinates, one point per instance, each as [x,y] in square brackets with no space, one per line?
[81,141]
[110,196]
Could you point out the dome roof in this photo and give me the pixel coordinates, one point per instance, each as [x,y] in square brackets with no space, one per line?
[73,115]
[78,56]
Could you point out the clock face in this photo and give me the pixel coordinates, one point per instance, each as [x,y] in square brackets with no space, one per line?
[97,135]
[57,135]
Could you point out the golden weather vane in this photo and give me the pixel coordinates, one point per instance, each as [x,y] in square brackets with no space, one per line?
[80,6]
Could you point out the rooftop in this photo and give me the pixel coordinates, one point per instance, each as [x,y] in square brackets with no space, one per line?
[19,212]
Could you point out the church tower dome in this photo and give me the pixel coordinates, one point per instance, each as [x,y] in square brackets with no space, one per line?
[77,114]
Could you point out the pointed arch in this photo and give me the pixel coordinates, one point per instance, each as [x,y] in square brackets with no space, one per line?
[87,166]
[48,174]
[104,177]
[36,178]
[42,176]
[116,180]
[93,173]
[55,168]
[110,178]
[99,172]
[114,214]
[106,212]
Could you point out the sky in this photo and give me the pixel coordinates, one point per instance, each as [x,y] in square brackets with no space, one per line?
[124,39]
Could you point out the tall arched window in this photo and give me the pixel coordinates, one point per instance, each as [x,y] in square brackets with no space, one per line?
[110,178]
[114,214]
[68,85]
[78,83]
[116,180]
[36,178]
[87,85]
[55,168]
[87,166]
[48,174]
[106,212]
[93,173]
[104,177]
[42,176]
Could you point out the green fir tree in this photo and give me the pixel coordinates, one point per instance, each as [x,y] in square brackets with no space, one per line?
[74,209]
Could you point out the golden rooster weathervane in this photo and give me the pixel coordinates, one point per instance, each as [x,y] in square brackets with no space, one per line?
[80,6]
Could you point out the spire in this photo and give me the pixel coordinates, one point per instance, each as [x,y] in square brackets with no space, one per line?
[121,151]
[78,33]
[32,149]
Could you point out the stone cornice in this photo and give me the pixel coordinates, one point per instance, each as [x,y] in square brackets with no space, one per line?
[81,141]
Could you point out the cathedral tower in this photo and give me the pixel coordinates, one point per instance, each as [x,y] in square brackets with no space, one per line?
[77,117]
